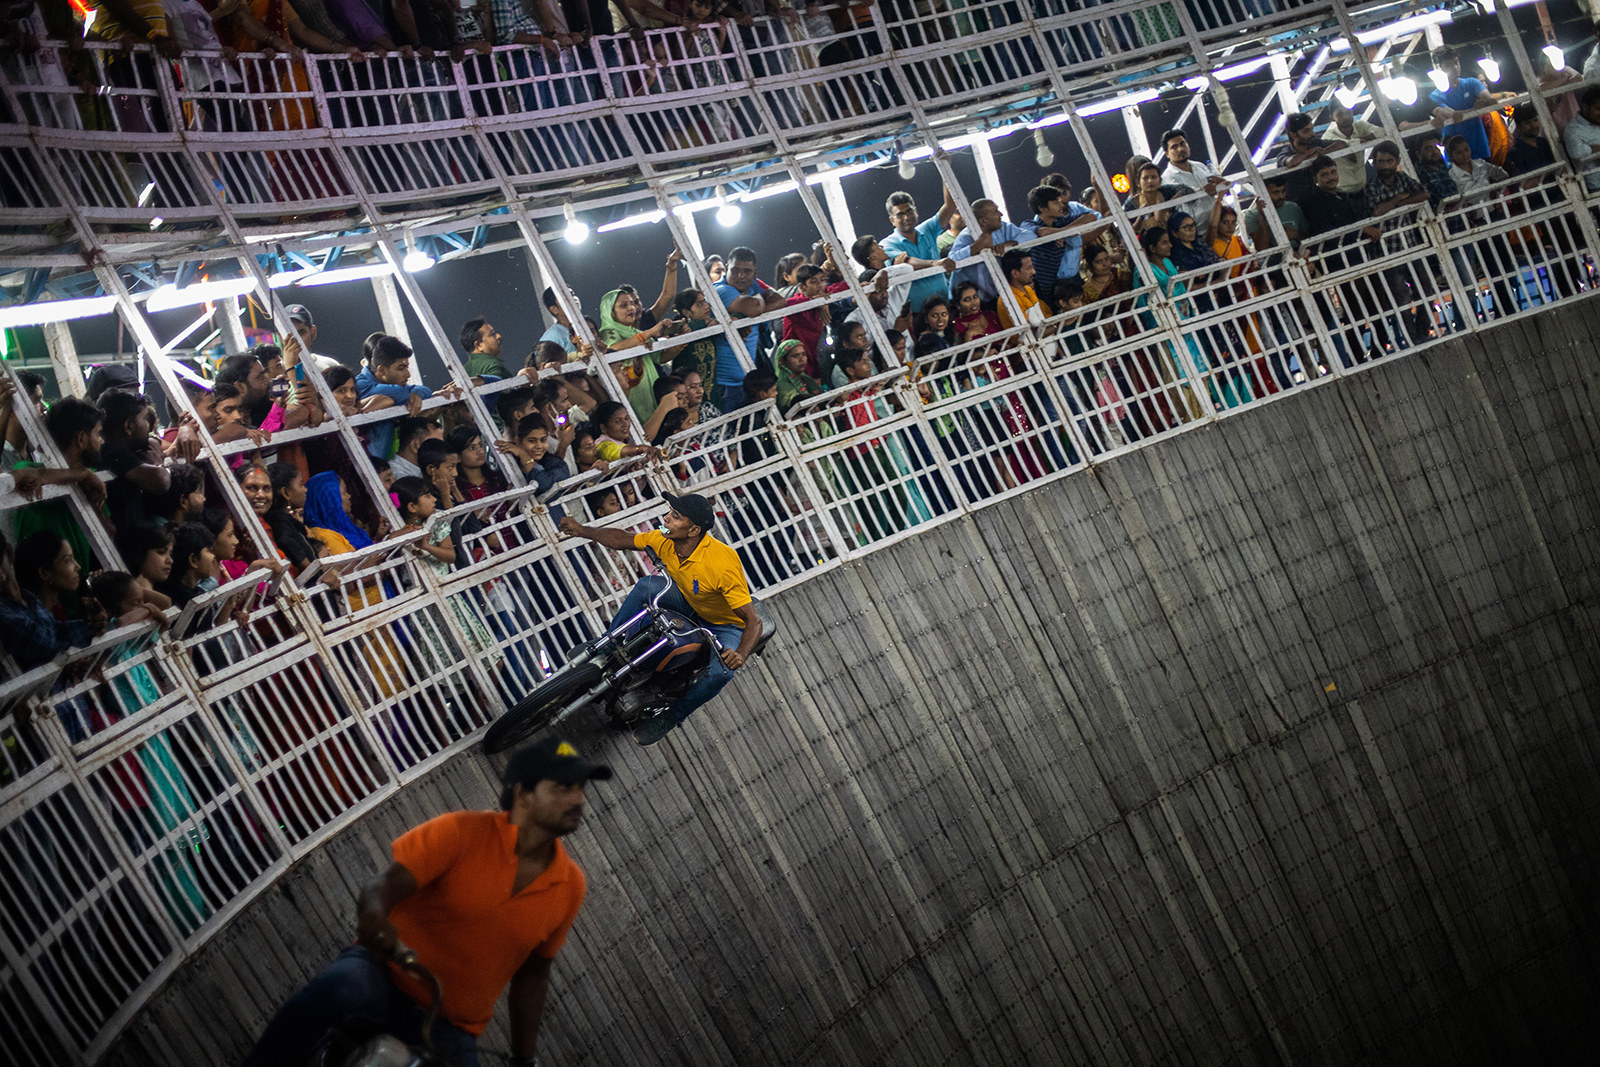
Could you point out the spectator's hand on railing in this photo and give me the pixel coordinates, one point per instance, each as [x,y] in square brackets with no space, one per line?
[145,613]
[93,488]
[185,445]
[451,391]
[28,482]
[414,404]
[168,48]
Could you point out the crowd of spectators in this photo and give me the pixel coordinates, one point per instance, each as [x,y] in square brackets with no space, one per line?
[654,46]
[942,294]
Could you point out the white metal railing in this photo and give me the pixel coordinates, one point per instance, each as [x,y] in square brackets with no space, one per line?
[153,784]
[201,761]
[274,134]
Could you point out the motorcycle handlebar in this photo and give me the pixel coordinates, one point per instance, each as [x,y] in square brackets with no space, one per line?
[406,959]
[655,605]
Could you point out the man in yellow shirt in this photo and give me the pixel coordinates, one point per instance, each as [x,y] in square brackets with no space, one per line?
[1017,266]
[710,588]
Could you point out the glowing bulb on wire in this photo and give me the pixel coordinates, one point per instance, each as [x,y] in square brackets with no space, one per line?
[1043,156]
[907,169]
[577,230]
[1557,58]
[1490,68]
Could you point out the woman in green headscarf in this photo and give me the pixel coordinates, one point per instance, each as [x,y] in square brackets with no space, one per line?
[619,332]
[794,384]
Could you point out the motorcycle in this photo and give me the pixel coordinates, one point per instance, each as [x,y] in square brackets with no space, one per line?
[386,1050]
[634,670]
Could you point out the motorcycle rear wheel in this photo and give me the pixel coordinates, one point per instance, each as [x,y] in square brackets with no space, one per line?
[534,712]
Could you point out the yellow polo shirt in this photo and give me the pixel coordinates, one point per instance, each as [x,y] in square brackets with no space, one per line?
[1027,300]
[711,579]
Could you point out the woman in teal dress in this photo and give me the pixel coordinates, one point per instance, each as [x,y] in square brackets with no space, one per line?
[1157,244]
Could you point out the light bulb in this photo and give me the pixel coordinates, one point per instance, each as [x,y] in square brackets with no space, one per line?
[1490,68]
[1347,96]
[908,169]
[577,230]
[1557,58]
[1043,156]
[1403,90]
[416,260]
[1441,80]
[728,213]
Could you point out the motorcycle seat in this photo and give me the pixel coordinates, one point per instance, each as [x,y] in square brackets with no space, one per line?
[769,625]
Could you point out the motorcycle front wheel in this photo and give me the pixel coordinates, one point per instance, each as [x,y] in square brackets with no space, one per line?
[534,712]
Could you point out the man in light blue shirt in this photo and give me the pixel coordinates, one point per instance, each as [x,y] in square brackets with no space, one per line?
[919,240]
[988,231]
[561,332]
[745,296]
[385,382]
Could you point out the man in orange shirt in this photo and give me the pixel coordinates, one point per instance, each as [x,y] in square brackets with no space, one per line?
[484,898]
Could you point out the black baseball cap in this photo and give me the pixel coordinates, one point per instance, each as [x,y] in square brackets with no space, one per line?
[109,376]
[300,313]
[694,507]
[554,758]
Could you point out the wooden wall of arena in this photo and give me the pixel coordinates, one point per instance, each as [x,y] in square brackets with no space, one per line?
[1272,743]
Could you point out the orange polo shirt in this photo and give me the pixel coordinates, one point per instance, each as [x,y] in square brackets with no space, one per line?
[463,922]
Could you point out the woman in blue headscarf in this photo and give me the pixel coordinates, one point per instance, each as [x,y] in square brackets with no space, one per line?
[327,516]
[327,512]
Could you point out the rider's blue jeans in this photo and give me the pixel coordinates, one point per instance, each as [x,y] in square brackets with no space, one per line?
[353,992]
[716,675]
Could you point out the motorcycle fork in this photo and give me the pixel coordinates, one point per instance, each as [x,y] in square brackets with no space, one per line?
[660,644]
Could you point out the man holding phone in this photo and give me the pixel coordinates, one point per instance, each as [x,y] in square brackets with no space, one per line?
[305,327]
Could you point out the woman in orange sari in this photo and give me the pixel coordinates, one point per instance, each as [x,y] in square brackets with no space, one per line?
[1226,243]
